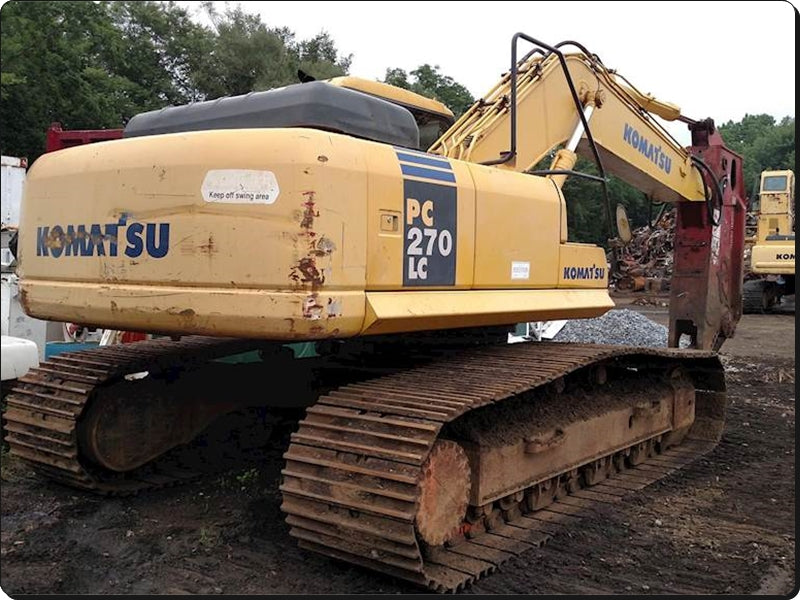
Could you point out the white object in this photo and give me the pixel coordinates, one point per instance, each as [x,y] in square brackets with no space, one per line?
[240,186]
[545,330]
[12,179]
[520,270]
[18,357]
[15,322]
[538,331]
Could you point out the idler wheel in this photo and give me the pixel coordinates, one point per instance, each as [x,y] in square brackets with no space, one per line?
[444,485]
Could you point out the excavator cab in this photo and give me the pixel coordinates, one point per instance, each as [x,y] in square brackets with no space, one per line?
[432,117]
[772,270]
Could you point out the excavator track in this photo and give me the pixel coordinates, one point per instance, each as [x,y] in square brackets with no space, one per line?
[753,297]
[45,407]
[356,467]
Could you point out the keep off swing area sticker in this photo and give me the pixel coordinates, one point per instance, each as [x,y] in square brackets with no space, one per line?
[240,186]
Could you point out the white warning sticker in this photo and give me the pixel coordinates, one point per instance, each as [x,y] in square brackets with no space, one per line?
[520,270]
[240,186]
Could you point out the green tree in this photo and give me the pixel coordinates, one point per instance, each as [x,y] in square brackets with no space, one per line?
[320,58]
[248,55]
[91,65]
[158,50]
[587,218]
[428,81]
[763,144]
[52,70]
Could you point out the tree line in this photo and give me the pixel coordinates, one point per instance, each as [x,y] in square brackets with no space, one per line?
[93,65]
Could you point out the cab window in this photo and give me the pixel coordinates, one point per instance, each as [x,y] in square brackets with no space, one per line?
[774,183]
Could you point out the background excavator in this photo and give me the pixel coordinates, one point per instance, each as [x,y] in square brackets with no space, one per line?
[772,250]
[431,449]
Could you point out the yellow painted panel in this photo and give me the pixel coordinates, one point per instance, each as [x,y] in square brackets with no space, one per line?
[393,94]
[391,201]
[517,225]
[582,266]
[775,258]
[199,310]
[391,312]
[384,220]
[420,229]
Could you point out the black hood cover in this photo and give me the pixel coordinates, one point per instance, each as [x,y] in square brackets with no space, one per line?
[316,104]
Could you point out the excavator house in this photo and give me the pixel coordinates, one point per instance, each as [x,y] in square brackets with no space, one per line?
[404,245]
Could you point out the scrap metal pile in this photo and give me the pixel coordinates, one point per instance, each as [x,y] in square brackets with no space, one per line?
[645,264]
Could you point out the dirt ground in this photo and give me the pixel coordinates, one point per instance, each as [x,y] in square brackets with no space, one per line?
[725,524]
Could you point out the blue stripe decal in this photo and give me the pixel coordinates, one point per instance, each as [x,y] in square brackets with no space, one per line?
[424,160]
[427,173]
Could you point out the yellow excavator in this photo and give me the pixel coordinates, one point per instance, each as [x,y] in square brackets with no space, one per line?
[772,251]
[431,449]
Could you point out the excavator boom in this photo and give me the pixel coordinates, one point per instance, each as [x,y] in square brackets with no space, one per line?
[548,96]
[574,99]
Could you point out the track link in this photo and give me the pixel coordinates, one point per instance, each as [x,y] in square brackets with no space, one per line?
[753,297]
[351,486]
[45,407]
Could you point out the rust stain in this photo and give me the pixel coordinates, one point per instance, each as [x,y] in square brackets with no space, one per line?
[186,317]
[307,273]
[310,212]
[23,299]
[291,325]
[208,247]
[58,238]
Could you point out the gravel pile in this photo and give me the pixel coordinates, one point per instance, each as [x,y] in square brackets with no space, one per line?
[620,326]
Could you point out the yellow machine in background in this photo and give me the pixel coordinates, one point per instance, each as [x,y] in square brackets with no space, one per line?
[313,213]
[772,252]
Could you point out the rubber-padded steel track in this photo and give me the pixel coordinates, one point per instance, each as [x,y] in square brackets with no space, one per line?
[351,482]
[46,405]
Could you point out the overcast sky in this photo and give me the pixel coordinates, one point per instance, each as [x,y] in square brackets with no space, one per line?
[713,59]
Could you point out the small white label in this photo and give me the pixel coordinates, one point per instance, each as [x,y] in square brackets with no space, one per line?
[240,186]
[7,257]
[520,270]
[715,233]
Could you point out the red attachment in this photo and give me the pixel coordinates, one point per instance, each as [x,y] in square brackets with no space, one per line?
[128,337]
[706,291]
[58,139]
